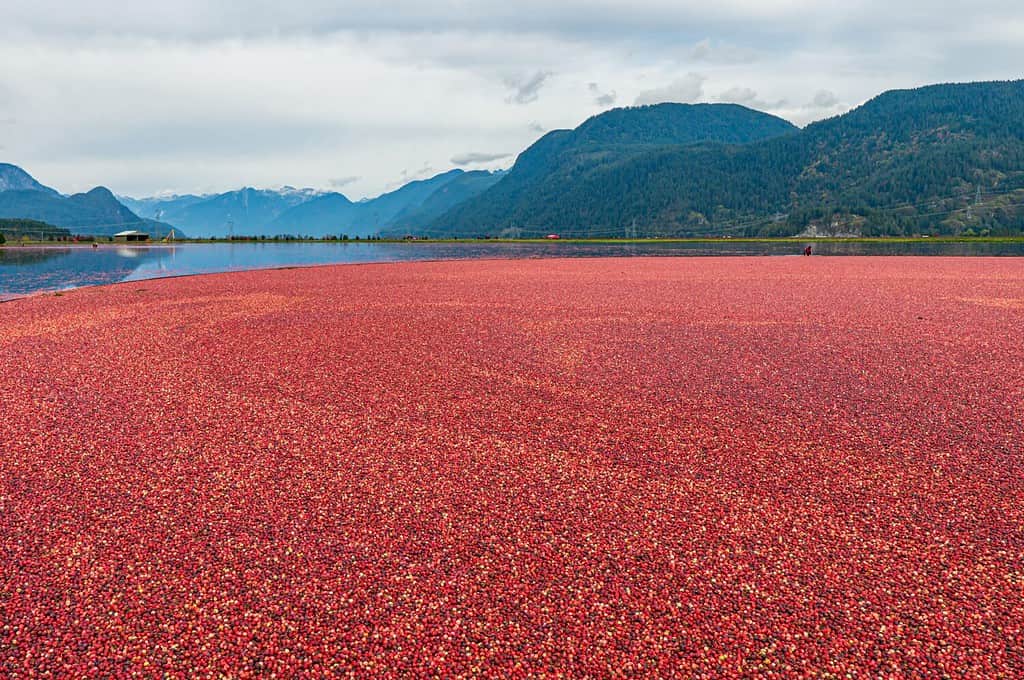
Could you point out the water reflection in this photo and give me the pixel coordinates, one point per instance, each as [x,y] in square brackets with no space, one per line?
[25,270]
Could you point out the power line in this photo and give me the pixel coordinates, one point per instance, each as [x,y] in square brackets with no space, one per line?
[731,227]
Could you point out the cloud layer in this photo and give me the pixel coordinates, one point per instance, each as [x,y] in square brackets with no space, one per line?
[477,158]
[685,90]
[210,95]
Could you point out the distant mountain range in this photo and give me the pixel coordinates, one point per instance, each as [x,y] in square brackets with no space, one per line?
[246,211]
[309,212]
[944,159]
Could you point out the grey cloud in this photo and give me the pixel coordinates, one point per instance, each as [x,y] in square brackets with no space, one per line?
[214,134]
[650,25]
[745,96]
[340,182]
[526,90]
[701,50]
[721,53]
[824,99]
[602,99]
[202,20]
[219,117]
[475,157]
[425,172]
[685,90]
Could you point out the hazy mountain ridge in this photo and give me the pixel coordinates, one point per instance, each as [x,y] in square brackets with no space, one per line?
[244,211]
[455,192]
[309,212]
[329,215]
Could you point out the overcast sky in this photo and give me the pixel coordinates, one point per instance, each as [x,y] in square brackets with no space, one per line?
[363,95]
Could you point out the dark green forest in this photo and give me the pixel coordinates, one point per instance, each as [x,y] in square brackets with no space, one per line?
[14,229]
[940,160]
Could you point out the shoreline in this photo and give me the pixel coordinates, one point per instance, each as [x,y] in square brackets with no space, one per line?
[60,292]
[551,242]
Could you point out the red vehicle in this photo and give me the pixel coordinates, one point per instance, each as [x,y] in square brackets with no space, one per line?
[553,237]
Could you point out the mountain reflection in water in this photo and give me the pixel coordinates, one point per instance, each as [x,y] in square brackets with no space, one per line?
[26,270]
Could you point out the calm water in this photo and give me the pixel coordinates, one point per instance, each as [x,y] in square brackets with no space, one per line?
[28,270]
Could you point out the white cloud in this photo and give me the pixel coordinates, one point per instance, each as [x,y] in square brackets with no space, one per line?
[721,53]
[342,182]
[601,98]
[526,89]
[745,96]
[478,158]
[824,99]
[685,90]
[205,95]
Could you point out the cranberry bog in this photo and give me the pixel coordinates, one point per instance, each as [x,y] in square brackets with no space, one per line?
[797,467]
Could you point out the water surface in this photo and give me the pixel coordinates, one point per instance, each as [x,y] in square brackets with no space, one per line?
[26,270]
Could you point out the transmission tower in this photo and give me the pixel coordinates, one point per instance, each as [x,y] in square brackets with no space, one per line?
[976,204]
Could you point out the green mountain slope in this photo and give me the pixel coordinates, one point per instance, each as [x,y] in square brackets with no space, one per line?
[534,188]
[905,162]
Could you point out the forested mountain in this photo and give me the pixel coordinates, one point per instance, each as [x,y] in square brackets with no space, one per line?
[944,159]
[906,162]
[563,159]
[95,212]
